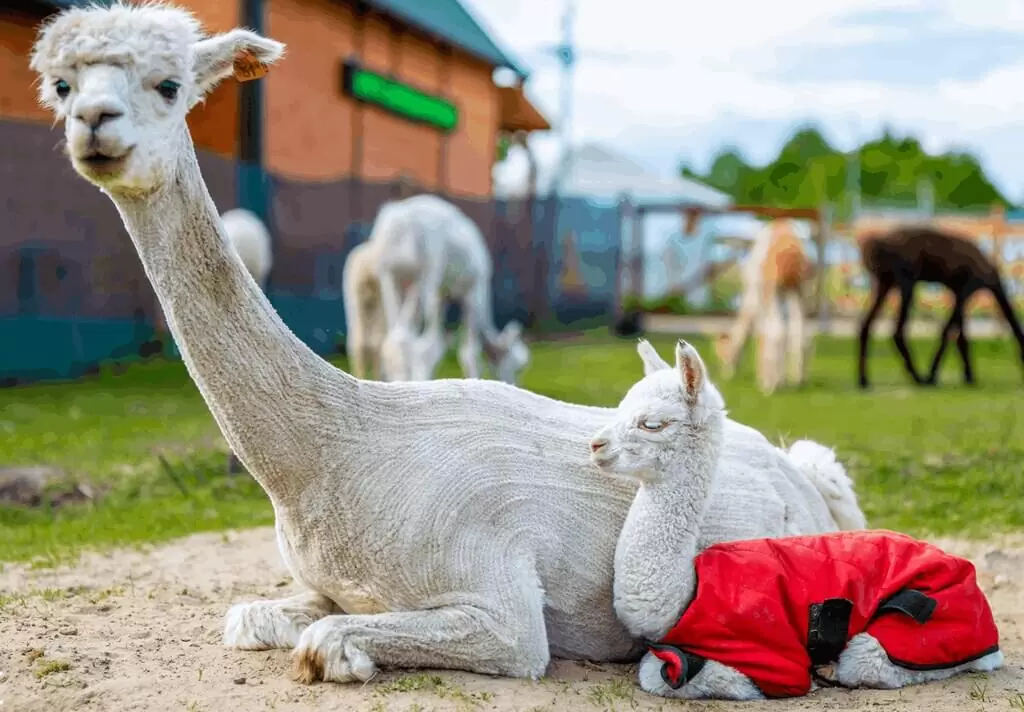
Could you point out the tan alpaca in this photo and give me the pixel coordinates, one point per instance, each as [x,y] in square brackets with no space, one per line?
[778,271]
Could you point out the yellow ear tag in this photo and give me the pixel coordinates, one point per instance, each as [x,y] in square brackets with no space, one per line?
[247,67]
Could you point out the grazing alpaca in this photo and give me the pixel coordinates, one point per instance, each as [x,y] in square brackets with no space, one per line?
[742,620]
[431,244]
[904,256]
[776,272]
[440,524]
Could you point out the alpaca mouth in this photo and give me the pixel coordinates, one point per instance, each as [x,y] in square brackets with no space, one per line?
[604,461]
[100,162]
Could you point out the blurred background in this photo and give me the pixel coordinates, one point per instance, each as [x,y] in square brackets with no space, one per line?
[617,159]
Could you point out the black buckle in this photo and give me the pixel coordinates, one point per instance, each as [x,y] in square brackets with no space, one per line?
[909,602]
[678,667]
[828,630]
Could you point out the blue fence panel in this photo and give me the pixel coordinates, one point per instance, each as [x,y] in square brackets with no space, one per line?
[584,259]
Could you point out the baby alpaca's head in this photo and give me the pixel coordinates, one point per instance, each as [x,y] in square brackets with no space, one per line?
[669,413]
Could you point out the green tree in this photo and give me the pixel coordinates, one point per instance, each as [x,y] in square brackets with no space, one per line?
[808,171]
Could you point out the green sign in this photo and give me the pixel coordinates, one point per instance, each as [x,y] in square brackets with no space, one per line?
[398,98]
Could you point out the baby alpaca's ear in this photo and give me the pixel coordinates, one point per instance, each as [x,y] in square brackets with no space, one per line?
[691,372]
[215,58]
[652,361]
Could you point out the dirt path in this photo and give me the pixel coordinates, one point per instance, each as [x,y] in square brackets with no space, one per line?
[141,631]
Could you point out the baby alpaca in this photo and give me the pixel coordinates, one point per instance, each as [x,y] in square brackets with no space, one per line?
[776,271]
[751,619]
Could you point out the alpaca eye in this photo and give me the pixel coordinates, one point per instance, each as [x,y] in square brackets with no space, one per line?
[62,88]
[168,89]
[653,426]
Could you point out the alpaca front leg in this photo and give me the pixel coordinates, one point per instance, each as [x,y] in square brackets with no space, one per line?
[346,648]
[796,366]
[864,663]
[732,346]
[261,625]
[714,681]
[771,347]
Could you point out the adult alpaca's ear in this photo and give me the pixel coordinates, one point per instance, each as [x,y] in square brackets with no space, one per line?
[238,52]
[652,361]
[692,372]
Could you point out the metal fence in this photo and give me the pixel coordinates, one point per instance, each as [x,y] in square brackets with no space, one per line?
[73,293]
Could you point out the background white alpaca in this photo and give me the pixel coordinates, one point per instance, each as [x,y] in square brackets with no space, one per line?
[432,246]
[775,277]
[668,437]
[251,240]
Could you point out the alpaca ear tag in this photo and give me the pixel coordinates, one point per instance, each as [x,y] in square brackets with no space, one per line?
[248,67]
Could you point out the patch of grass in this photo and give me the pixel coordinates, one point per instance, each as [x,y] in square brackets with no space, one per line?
[926,461]
[979,690]
[607,694]
[435,685]
[49,667]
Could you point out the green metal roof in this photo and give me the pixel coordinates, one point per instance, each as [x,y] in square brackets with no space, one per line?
[451,21]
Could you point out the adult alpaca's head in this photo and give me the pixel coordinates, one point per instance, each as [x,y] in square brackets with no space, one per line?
[673,413]
[124,77]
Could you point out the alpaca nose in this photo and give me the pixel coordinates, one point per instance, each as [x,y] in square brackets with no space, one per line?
[597,444]
[99,111]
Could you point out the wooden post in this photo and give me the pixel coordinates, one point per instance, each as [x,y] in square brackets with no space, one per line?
[622,263]
[823,237]
[638,255]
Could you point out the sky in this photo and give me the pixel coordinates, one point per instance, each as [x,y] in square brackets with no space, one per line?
[667,81]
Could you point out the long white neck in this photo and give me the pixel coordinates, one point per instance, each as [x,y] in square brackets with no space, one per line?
[262,384]
[654,574]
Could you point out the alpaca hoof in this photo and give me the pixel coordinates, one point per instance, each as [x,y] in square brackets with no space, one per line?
[324,654]
[262,625]
[241,627]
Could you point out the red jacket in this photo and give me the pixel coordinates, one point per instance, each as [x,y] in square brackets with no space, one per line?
[775,608]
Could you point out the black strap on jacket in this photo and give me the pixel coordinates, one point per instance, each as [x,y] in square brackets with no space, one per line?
[678,666]
[828,629]
[911,603]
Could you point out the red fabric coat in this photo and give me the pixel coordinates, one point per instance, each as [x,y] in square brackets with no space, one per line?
[755,607]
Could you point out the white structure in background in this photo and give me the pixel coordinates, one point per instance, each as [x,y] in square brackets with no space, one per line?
[602,176]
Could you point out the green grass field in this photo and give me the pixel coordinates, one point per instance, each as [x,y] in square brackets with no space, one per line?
[936,461]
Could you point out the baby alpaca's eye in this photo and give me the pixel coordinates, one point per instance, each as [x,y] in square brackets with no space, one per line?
[62,88]
[653,426]
[168,89]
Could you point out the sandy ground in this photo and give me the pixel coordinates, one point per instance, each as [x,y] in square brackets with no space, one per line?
[140,630]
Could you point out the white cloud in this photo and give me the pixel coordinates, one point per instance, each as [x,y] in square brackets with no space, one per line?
[698,63]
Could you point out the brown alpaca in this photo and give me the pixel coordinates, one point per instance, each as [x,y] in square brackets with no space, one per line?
[904,256]
[777,271]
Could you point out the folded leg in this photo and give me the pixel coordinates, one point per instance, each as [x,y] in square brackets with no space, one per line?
[864,663]
[261,625]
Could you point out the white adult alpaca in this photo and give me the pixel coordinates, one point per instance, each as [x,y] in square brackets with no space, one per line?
[251,239]
[668,437]
[427,242]
[441,524]
[776,273]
